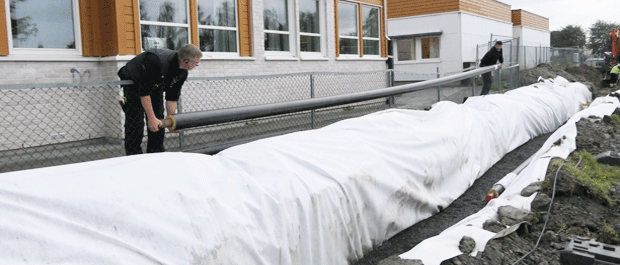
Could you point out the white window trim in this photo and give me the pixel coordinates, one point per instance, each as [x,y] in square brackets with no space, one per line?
[55,54]
[292,32]
[373,38]
[418,52]
[168,24]
[236,29]
[350,56]
[314,56]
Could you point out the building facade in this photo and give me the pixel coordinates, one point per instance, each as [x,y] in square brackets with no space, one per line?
[449,34]
[49,41]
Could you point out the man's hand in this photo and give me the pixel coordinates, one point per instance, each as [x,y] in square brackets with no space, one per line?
[155,124]
[501,66]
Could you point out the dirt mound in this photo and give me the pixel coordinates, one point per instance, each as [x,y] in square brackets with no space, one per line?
[586,204]
[584,74]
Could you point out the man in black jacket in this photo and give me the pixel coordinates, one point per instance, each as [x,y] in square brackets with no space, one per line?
[491,58]
[153,73]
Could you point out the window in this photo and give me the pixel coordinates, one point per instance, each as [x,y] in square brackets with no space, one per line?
[348,25]
[417,48]
[430,47]
[217,25]
[276,22]
[43,24]
[164,24]
[309,26]
[405,49]
[370,27]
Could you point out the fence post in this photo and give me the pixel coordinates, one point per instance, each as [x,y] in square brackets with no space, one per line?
[181,133]
[390,84]
[473,86]
[499,80]
[312,112]
[438,87]
[525,57]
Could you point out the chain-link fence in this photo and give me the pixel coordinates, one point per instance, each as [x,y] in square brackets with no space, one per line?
[55,124]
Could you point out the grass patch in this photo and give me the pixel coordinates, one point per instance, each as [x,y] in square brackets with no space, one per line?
[599,178]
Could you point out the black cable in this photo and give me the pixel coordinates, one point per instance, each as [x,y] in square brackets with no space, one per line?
[548,213]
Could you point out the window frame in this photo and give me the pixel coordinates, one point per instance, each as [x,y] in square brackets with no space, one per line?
[418,50]
[292,33]
[167,24]
[378,39]
[236,29]
[322,33]
[55,52]
[360,37]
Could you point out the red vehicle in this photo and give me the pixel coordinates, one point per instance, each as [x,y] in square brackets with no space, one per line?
[612,58]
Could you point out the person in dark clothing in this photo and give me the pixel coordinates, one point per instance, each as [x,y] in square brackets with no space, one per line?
[153,72]
[491,58]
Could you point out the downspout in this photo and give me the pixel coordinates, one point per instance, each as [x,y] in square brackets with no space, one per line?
[385,33]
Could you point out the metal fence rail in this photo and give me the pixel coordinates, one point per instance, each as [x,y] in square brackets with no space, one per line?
[54,124]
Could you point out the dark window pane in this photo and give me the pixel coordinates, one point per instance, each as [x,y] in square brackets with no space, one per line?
[370,18]
[348,46]
[276,42]
[347,19]
[309,16]
[406,49]
[212,40]
[158,37]
[275,14]
[42,24]
[371,47]
[217,13]
[430,47]
[310,43]
[174,11]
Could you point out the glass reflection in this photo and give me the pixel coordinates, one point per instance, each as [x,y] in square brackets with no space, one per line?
[42,24]
[212,40]
[347,19]
[174,11]
[275,14]
[158,37]
[217,13]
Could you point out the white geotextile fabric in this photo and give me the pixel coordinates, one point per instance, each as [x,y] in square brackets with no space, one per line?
[323,196]
[444,246]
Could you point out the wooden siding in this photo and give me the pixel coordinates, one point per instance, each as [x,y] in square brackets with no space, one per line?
[372,2]
[97,23]
[336,28]
[245,32]
[4,36]
[384,42]
[525,18]
[407,8]
[193,23]
[486,8]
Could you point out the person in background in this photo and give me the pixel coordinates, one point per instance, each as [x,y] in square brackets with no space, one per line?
[491,58]
[614,75]
[153,72]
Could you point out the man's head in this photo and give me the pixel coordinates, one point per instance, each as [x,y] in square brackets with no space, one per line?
[189,56]
[498,45]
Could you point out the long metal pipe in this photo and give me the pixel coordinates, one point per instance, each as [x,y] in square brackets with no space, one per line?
[210,117]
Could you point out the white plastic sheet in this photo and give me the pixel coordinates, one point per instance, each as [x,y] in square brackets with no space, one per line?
[324,196]
[444,246]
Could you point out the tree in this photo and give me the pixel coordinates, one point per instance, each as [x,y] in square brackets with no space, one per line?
[600,41]
[569,36]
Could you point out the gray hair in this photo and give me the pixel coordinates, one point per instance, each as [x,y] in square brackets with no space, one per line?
[189,51]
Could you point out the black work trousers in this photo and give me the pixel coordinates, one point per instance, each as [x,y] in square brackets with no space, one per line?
[134,122]
[487,80]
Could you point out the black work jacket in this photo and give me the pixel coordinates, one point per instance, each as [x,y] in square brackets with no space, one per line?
[491,57]
[153,70]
